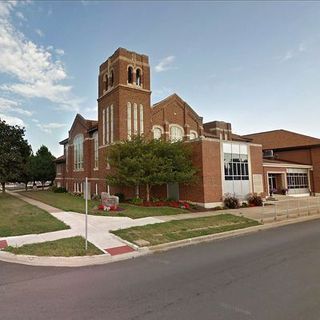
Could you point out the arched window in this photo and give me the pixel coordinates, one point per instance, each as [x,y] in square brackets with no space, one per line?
[176,133]
[157,132]
[138,77]
[105,80]
[78,152]
[96,150]
[193,135]
[130,75]
[111,78]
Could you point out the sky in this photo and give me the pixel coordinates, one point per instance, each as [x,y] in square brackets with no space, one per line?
[254,64]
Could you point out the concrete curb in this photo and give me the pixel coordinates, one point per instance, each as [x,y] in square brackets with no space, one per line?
[229,234]
[141,251]
[68,261]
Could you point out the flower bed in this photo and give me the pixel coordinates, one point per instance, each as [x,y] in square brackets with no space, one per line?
[173,204]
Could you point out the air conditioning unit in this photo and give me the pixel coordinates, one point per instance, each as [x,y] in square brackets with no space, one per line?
[268,154]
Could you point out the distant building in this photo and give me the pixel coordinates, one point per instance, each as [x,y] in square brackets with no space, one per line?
[228,163]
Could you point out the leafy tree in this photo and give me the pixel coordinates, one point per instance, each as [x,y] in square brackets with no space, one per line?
[42,166]
[14,151]
[149,163]
[28,171]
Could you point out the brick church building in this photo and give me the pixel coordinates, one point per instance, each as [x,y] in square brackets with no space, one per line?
[227,162]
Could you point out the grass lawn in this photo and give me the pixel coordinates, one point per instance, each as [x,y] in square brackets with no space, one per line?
[183,229]
[18,218]
[68,202]
[68,247]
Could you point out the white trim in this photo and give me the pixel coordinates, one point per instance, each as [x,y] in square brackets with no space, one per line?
[287,165]
[193,132]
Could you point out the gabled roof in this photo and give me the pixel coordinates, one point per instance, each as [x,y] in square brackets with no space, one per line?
[90,125]
[175,97]
[282,139]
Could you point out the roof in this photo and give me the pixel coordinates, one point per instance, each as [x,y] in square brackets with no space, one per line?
[60,159]
[282,139]
[180,101]
[90,125]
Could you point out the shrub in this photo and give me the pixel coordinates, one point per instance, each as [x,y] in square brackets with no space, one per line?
[255,200]
[121,196]
[244,205]
[59,190]
[136,201]
[231,202]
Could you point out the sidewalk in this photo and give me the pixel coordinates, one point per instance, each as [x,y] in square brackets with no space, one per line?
[98,228]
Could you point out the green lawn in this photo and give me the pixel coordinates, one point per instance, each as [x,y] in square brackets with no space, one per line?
[18,218]
[68,247]
[68,202]
[183,229]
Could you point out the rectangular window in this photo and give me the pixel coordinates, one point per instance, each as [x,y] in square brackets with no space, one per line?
[297,180]
[235,161]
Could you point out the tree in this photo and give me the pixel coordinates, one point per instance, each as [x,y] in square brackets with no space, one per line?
[149,163]
[42,166]
[14,151]
[28,171]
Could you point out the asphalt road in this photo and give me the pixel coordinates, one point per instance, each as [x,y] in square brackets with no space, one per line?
[272,274]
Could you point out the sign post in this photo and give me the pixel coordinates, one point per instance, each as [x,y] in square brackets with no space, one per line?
[86,215]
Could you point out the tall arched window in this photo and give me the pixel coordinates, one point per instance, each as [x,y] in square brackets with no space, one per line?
[111,78]
[96,150]
[138,77]
[130,75]
[176,133]
[78,152]
[105,80]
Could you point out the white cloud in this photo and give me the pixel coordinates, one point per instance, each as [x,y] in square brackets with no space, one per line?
[35,120]
[10,106]
[165,64]
[60,52]
[36,73]
[293,53]
[20,15]
[39,33]
[50,126]
[13,121]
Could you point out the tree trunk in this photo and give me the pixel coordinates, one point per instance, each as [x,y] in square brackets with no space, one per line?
[148,192]
[137,191]
[26,186]
[3,184]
